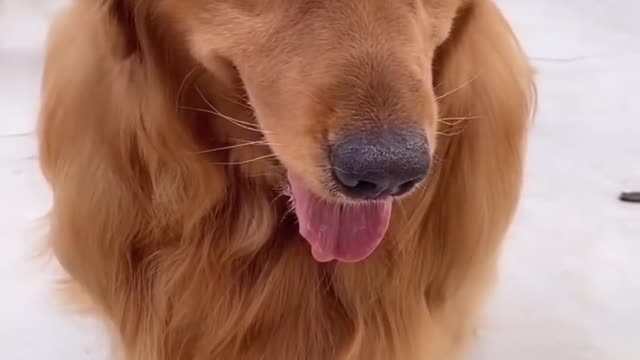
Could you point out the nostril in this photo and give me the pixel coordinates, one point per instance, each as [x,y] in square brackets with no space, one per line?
[372,187]
[406,187]
[359,185]
[346,179]
[366,187]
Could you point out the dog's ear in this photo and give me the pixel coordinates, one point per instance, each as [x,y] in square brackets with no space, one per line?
[483,80]
[483,77]
[125,16]
[481,68]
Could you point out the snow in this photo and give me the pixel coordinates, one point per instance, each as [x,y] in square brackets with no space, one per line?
[570,281]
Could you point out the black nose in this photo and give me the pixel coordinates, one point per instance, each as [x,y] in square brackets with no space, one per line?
[379,163]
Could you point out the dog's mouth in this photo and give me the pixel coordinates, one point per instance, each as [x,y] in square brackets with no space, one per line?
[335,230]
[370,168]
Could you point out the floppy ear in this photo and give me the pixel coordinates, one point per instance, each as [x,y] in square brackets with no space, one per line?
[486,95]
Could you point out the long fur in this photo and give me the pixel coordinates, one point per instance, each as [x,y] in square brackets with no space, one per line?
[180,240]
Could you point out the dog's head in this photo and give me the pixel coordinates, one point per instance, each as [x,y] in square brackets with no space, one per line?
[341,89]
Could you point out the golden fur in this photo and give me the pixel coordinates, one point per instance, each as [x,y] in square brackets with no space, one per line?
[167,125]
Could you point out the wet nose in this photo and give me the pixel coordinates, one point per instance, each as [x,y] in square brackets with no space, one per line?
[380,163]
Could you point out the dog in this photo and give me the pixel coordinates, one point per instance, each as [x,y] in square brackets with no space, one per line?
[284,179]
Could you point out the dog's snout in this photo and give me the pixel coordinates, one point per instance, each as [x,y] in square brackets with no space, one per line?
[376,164]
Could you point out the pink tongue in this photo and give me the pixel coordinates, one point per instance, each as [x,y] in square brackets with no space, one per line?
[347,233]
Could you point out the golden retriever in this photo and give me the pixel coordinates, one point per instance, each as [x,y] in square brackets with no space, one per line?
[284,179]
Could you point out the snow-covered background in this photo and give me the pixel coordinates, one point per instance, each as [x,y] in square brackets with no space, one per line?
[570,283]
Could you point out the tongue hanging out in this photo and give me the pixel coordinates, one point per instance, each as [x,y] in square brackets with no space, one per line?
[347,233]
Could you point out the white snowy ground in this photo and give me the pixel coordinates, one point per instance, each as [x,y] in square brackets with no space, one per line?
[570,285]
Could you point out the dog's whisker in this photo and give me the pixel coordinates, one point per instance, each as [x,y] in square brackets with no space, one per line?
[217,112]
[437,86]
[454,90]
[242,124]
[266,142]
[243,104]
[452,124]
[453,121]
[183,84]
[470,117]
[235,146]
[239,123]
[244,162]
[450,134]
